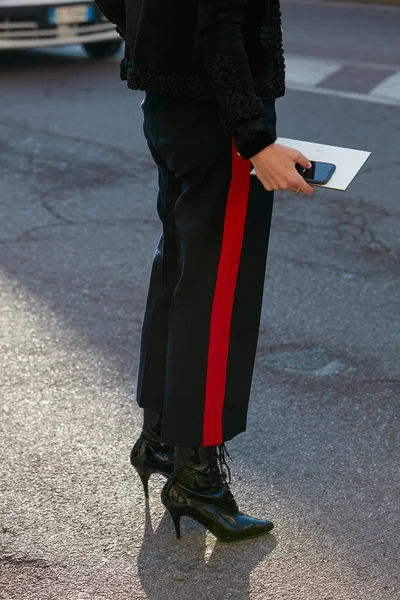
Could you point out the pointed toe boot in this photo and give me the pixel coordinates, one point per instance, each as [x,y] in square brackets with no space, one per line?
[198,489]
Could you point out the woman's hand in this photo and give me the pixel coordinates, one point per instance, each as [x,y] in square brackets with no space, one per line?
[275,168]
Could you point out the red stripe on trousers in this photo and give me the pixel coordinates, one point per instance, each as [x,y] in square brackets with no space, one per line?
[224,295]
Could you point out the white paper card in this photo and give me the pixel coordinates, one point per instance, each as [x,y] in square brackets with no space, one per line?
[348,162]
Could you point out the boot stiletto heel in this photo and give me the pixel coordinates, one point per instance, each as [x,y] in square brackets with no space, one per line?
[176,518]
[150,456]
[144,475]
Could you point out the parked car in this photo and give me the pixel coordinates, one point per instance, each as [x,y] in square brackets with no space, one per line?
[44,23]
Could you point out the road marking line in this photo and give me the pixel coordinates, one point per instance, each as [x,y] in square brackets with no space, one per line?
[349,5]
[344,62]
[374,99]
[305,73]
[390,87]
[304,70]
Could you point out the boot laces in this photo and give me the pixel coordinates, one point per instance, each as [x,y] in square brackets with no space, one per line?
[222,453]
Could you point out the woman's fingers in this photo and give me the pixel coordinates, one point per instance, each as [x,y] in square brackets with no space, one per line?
[302,160]
[302,185]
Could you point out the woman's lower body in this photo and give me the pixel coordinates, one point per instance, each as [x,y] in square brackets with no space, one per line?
[202,316]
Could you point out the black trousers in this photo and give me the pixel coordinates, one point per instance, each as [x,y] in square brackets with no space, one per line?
[203,309]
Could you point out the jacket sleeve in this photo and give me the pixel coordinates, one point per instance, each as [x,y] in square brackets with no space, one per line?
[219,40]
[114,11]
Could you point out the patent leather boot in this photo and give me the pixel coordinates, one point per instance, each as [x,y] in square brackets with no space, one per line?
[198,489]
[149,455]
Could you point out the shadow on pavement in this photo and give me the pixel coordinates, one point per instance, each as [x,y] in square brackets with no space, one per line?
[198,572]
[20,60]
[63,56]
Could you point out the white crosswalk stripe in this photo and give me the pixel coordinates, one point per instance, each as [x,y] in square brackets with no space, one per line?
[389,88]
[305,73]
[304,70]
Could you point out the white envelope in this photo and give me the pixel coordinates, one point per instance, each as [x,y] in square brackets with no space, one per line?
[348,162]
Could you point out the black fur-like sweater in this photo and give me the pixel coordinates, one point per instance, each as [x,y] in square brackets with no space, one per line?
[229,51]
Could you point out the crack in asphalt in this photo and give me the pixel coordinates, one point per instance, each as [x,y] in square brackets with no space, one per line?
[100,170]
[23,560]
[351,218]
[311,264]
[130,155]
[54,213]
[355,226]
[25,235]
[354,220]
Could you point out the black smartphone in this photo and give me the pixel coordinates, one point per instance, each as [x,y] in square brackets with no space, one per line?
[319,174]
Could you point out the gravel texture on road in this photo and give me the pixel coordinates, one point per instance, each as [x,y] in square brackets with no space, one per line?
[321,455]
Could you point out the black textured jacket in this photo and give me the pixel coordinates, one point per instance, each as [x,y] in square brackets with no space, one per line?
[224,50]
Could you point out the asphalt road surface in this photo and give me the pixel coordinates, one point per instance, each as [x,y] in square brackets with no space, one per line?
[77,233]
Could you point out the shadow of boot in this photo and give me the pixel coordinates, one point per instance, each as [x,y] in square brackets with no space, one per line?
[197,566]
[230,566]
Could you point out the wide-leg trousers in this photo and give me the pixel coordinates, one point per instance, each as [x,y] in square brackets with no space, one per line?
[202,316]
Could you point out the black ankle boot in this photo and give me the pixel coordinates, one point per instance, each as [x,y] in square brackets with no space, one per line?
[198,489]
[149,455]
